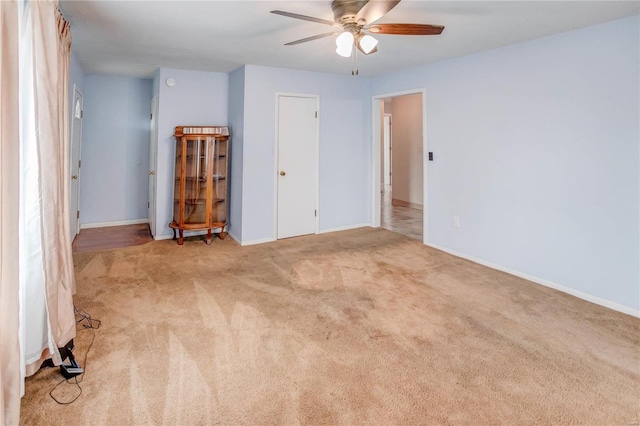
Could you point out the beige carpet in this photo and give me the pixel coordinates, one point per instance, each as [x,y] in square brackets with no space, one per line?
[356,327]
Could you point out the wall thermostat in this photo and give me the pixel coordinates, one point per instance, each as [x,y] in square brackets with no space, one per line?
[171,82]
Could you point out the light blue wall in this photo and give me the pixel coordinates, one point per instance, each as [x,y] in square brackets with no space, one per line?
[198,98]
[537,152]
[115,149]
[344,147]
[236,123]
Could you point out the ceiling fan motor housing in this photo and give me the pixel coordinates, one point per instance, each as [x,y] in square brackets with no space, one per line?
[345,11]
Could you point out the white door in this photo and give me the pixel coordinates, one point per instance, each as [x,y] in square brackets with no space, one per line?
[387,149]
[297,165]
[153,145]
[76,144]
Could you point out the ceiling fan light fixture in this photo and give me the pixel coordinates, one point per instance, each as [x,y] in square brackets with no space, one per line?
[344,44]
[367,43]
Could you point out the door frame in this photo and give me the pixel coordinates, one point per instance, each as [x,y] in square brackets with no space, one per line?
[377,110]
[388,153]
[277,156]
[153,166]
[76,90]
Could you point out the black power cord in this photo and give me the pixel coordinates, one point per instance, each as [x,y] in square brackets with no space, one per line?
[88,323]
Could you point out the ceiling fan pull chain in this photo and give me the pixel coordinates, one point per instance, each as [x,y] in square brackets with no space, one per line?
[354,61]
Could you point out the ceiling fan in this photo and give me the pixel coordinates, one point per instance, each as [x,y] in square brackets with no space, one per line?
[354,19]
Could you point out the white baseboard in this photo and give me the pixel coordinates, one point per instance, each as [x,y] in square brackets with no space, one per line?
[588,297]
[270,240]
[254,242]
[343,228]
[234,238]
[117,223]
[323,231]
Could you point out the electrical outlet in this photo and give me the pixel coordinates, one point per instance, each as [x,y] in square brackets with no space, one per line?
[456,222]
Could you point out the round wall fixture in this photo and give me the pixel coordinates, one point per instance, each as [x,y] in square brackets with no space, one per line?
[171,82]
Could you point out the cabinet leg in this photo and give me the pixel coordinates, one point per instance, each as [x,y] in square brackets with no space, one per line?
[208,237]
[180,237]
[222,235]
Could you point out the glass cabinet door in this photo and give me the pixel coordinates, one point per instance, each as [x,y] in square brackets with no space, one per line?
[191,159]
[219,182]
[195,196]
[177,183]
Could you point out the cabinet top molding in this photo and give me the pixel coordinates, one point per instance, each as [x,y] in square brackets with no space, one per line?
[202,130]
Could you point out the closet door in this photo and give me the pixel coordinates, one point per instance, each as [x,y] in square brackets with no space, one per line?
[297,166]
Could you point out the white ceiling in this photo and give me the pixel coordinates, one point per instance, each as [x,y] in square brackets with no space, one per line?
[136,37]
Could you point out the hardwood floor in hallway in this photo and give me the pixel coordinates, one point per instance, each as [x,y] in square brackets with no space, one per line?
[111,237]
[403,220]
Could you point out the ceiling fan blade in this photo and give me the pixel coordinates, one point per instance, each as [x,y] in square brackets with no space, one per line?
[406,29]
[315,37]
[375,9]
[374,50]
[305,18]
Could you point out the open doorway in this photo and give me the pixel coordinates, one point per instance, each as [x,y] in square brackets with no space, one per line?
[400,182]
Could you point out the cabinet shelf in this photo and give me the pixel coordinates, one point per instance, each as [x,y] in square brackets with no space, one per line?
[199,201]
[201,156]
[201,179]
[201,183]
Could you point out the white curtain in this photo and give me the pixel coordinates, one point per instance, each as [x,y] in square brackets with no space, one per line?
[46,265]
[9,212]
[36,266]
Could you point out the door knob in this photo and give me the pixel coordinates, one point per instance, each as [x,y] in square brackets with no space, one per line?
[282,173]
[74,177]
[152,172]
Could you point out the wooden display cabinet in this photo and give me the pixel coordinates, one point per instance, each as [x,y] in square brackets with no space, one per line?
[201,183]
